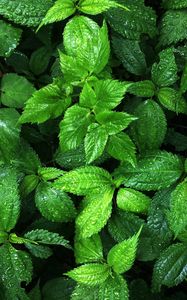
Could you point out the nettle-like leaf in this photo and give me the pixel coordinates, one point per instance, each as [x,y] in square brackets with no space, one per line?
[133,201]
[148,131]
[175,4]
[9,38]
[85,181]
[25,13]
[164,73]
[16,90]
[73,127]
[16,268]
[95,215]
[172,27]
[139,19]
[171,267]
[121,257]
[178,209]
[114,288]
[90,274]
[172,100]
[94,7]
[121,147]
[46,103]
[183,83]
[49,173]
[130,54]
[28,184]
[145,88]
[155,170]
[53,204]
[40,59]
[88,250]
[88,43]
[95,142]
[9,198]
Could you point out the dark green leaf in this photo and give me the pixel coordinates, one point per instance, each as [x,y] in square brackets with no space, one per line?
[9,38]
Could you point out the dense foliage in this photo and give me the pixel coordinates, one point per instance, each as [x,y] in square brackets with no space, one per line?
[93,141]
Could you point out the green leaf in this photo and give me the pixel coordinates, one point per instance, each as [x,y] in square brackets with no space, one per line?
[183,84]
[35,293]
[38,250]
[154,171]
[122,256]
[172,27]
[16,268]
[74,126]
[113,121]
[95,215]
[87,42]
[53,204]
[133,201]
[85,292]
[16,90]
[29,13]
[114,288]
[61,10]
[90,274]
[72,69]
[88,96]
[9,38]
[9,199]
[9,132]
[45,237]
[172,100]
[139,19]
[144,88]
[28,185]
[47,103]
[58,288]
[88,250]
[122,225]
[122,148]
[49,173]
[178,209]
[130,54]
[84,180]
[94,7]
[95,142]
[109,93]
[175,4]
[164,73]
[39,60]
[171,267]
[149,130]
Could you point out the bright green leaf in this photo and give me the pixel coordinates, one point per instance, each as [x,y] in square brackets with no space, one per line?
[87,97]
[172,100]
[145,88]
[94,7]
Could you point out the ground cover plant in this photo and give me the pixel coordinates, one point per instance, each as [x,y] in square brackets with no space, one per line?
[93,141]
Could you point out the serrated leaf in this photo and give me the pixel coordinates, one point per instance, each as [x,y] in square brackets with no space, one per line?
[84,180]
[114,288]
[74,126]
[133,201]
[28,185]
[87,42]
[178,209]
[121,147]
[9,199]
[109,93]
[149,130]
[90,274]
[25,13]
[9,38]
[53,204]
[172,27]
[16,90]
[38,250]
[16,268]
[130,54]
[85,292]
[95,215]
[145,88]
[49,173]
[88,250]
[171,267]
[139,19]
[175,4]
[45,237]
[113,121]
[122,256]
[164,73]
[155,170]
[88,96]
[94,7]
[172,100]
[61,10]
[47,103]
[95,142]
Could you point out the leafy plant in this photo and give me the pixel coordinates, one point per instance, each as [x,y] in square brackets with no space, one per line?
[93,150]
